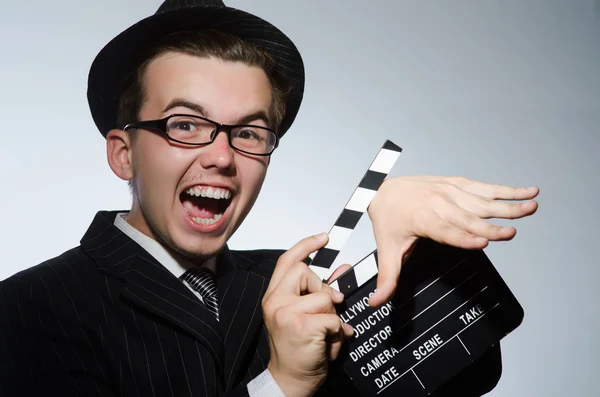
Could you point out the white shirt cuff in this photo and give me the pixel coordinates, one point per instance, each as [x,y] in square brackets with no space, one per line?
[264,386]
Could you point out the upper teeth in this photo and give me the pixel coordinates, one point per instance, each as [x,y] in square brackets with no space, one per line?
[210,192]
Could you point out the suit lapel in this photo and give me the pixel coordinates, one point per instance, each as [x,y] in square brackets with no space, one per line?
[155,289]
[148,286]
[240,294]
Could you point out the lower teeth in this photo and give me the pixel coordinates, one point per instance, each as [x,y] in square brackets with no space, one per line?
[208,221]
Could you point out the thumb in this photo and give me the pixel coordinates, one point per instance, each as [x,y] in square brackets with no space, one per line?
[338,272]
[390,256]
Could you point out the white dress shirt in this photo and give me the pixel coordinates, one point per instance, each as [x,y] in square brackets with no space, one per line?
[263,385]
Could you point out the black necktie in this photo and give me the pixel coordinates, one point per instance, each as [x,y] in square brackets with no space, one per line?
[204,281]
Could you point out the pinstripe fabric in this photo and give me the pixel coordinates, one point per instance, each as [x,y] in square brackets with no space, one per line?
[106,319]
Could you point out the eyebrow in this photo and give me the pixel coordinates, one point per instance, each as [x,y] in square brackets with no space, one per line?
[260,115]
[179,102]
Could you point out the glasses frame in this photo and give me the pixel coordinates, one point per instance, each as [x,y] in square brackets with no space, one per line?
[160,125]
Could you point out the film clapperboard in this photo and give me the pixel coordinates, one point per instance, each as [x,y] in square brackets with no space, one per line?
[450,307]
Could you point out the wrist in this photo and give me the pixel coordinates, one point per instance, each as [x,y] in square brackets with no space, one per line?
[291,385]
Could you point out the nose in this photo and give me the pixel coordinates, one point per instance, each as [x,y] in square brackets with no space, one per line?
[218,154]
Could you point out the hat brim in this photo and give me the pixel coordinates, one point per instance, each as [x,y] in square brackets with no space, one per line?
[118,58]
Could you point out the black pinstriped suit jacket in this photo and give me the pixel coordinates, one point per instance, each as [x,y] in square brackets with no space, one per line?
[106,319]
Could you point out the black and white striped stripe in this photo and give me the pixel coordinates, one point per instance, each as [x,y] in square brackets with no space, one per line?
[355,207]
[204,282]
[358,275]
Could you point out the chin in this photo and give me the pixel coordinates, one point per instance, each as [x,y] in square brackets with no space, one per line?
[198,247]
[198,252]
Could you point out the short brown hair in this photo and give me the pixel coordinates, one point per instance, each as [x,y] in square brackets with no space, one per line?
[204,43]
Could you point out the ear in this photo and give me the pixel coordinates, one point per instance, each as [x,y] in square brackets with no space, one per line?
[118,152]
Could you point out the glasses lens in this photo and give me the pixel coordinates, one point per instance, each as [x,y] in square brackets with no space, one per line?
[190,129]
[253,139]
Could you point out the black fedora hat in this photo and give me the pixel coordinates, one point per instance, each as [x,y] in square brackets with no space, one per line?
[117,59]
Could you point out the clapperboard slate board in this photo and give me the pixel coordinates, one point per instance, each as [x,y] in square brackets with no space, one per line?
[450,307]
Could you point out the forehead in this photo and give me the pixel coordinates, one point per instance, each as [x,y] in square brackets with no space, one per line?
[225,89]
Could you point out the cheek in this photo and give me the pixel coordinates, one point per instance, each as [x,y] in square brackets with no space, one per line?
[159,171]
[253,172]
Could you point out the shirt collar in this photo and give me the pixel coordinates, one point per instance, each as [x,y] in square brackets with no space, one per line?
[175,265]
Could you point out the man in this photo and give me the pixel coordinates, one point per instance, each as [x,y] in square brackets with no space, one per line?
[193,101]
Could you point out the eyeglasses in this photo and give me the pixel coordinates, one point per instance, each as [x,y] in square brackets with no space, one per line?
[199,131]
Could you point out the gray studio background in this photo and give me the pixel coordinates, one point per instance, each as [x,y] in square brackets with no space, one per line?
[502,91]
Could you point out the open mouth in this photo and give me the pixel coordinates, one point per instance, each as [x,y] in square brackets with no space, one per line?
[206,205]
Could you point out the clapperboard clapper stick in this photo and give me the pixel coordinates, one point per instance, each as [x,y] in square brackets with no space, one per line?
[450,307]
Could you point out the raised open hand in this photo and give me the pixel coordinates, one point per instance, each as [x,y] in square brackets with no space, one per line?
[449,210]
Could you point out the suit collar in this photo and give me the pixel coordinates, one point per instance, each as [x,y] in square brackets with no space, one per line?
[176,264]
[112,250]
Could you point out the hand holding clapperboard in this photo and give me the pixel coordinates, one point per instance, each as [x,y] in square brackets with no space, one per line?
[450,307]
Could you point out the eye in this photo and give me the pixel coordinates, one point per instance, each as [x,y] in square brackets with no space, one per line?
[183,125]
[248,134]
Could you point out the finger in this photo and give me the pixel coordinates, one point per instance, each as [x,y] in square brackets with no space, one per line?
[296,254]
[300,280]
[476,226]
[348,329]
[315,303]
[333,348]
[338,272]
[488,208]
[332,328]
[495,191]
[446,233]
[335,343]
[329,324]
